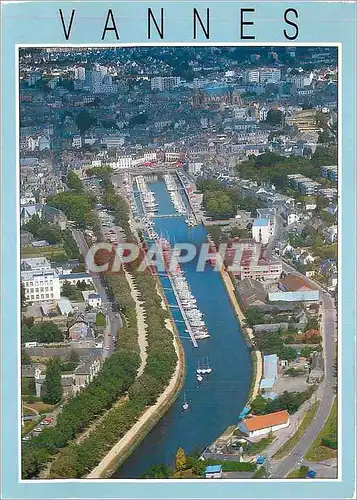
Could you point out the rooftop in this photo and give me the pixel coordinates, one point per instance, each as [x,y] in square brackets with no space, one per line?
[293,283]
[210,469]
[262,222]
[263,421]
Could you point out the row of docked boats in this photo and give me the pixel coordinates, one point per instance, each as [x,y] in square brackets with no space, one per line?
[149,227]
[186,301]
[174,193]
[147,197]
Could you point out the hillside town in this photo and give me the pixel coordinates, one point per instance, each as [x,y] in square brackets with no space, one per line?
[243,141]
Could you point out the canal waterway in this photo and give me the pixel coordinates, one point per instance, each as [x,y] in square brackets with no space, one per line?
[217,401]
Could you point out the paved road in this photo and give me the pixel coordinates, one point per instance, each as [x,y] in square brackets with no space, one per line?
[114,321]
[325,392]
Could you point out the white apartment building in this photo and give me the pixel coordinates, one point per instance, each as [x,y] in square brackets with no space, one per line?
[93,80]
[80,73]
[114,141]
[251,76]
[171,156]
[165,82]
[195,167]
[41,286]
[123,162]
[261,230]
[301,80]
[270,75]
[77,141]
[150,156]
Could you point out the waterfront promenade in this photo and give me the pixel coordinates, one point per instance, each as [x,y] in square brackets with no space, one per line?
[247,332]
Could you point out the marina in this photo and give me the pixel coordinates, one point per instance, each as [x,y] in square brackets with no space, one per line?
[219,397]
[186,302]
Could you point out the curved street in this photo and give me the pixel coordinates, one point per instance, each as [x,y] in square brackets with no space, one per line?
[326,390]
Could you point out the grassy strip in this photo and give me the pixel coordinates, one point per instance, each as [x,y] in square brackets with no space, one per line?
[259,473]
[317,450]
[305,423]
[150,423]
[295,474]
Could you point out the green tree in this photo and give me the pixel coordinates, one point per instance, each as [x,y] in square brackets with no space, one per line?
[100,319]
[52,385]
[74,182]
[180,460]
[259,405]
[303,471]
[45,332]
[84,121]
[274,117]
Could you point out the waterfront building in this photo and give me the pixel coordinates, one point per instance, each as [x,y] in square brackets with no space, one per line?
[250,293]
[270,371]
[263,424]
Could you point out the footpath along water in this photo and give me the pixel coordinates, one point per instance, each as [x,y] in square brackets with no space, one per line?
[217,401]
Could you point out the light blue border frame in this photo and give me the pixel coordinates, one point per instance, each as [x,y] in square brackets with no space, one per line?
[38,23]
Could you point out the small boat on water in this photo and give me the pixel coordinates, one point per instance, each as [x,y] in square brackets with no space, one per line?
[185,405]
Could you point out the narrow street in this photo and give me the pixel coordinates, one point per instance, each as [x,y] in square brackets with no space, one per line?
[326,390]
[114,319]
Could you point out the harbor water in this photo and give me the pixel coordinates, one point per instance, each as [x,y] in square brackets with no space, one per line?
[216,402]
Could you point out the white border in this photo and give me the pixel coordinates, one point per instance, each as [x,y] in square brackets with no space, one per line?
[339,329]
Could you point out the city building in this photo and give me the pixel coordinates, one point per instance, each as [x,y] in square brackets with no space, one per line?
[263,424]
[41,285]
[79,73]
[80,329]
[250,293]
[330,172]
[94,300]
[85,373]
[270,75]
[35,264]
[77,141]
[261,230]
[251,76]
[304,185]
[270,371]
[93,80]
[165,82]
[293,288]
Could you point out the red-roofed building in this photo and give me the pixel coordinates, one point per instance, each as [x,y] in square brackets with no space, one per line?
[263,424]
